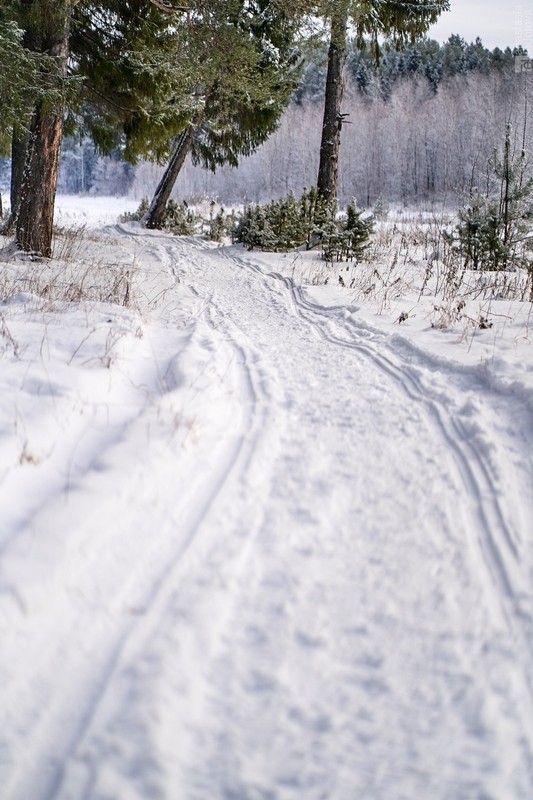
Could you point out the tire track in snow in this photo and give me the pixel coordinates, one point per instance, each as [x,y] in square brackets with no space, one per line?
[89,750]
[235,467]
[280,293]
[498,541]
[85,688]
[107,637]
[484,515]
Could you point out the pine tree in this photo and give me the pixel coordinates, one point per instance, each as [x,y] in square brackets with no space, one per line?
[397,22]
[130,93]
[136,69]
[333,117]
[246,74]
[155,212]
[46,27]
[24,76]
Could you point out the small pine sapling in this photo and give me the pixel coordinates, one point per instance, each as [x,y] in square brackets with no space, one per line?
[359,230]
[348,241]
[179,219]
[136,216]
[221,225]
[381,209]
[493,231]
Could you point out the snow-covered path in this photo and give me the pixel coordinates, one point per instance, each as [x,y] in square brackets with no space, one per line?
[314,581]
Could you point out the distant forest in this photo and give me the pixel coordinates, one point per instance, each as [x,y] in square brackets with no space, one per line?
[421,127]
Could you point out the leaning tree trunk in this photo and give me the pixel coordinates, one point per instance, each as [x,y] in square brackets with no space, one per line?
[34,224]
[331,127]
[182,146]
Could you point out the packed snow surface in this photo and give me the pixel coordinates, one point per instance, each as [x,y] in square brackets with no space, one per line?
[259,542]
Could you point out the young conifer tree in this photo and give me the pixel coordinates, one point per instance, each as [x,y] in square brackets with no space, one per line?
[494,228]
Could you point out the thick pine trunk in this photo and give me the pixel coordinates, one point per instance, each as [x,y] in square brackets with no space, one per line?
[331,127]
[182,146]
[49,31]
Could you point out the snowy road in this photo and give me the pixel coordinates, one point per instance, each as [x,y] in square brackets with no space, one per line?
[291,558]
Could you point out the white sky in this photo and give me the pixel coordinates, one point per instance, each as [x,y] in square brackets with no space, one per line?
[499,24]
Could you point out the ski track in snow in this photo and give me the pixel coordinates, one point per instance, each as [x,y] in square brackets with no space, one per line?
[315,581]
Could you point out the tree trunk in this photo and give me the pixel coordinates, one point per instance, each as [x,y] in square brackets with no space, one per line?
[35,219]
[333,118]
[19,146]
[34,224]
[182,146]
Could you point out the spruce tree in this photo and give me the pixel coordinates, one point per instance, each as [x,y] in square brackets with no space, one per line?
[219,80]
[358,230]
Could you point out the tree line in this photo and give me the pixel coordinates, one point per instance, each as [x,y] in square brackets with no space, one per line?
[413,145]
[415,141]
[426,58]
[162,79]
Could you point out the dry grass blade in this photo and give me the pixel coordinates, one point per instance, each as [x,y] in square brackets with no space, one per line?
[79,272]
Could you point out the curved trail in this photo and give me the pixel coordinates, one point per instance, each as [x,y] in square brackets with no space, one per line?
[337,603]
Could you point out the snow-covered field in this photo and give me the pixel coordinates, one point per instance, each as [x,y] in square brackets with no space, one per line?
[260,540]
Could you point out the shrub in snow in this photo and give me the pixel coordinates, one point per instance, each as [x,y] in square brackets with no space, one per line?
[349,240]
[136,216]
[381,209]
[221,225]
[310,220]
[285,224]
[178,218]
[255,231]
